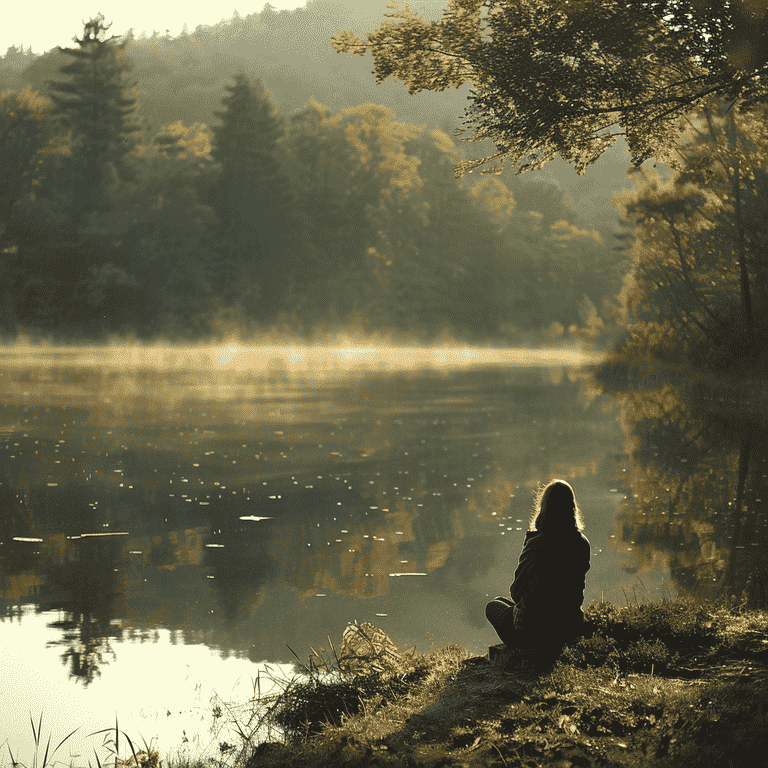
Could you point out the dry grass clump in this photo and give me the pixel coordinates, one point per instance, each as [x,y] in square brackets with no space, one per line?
[308,706]
[367,674]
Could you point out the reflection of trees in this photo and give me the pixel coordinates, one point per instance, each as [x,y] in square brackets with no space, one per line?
[89,592]
[436,481]
[405,473]
[239,563]
[694,495]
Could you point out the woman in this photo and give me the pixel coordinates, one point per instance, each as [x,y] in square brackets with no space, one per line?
[544,607]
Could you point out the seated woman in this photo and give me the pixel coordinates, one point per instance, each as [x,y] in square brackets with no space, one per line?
[544,607]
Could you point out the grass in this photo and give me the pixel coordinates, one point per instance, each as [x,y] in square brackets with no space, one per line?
[657,684]
[648,684]
[108,744]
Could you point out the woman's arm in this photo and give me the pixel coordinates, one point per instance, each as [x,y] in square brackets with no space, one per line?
[525,571]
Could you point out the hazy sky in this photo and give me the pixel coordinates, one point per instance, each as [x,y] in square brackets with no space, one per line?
[44,24]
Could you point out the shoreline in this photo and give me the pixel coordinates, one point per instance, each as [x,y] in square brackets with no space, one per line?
[659,684]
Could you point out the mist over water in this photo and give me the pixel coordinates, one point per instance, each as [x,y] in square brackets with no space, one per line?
[185,512]
[293,357]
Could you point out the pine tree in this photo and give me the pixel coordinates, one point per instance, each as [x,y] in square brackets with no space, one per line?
[251,198]
[96,103]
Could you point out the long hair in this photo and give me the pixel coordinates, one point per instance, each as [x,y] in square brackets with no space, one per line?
[555,508]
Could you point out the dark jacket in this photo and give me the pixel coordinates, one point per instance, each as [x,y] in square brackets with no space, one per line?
[549,579]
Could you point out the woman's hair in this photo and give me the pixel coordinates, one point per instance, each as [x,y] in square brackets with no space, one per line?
[555,508]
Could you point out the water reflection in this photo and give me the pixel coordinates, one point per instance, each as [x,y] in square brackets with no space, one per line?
[242,508]
[695,491]
[232,501]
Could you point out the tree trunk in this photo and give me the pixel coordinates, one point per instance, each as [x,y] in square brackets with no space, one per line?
[744,452]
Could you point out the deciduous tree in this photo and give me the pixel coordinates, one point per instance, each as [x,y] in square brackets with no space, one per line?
[568,77]
[699,273]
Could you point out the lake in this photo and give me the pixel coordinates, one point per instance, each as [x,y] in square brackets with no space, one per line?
[177,522]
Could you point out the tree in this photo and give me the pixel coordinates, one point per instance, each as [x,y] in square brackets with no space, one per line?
[446,246]
[30,144]
[15,61]
[697,286]
[347,169]
[96,103]
[166,234]
[251,198]
[26,129]
[568,77]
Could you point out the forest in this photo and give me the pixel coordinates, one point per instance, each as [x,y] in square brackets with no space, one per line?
[155,187]
[151,194]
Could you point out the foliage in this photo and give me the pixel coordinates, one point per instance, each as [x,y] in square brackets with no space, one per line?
[95,102]
[26,130]
[642,636]
[676,623]
[330,219]
[569,77]
[15,60]
[252,201]
[307,707]
[160,220]
[697,283]
[345,168]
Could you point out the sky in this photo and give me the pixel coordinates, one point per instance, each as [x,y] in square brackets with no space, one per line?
[44,24]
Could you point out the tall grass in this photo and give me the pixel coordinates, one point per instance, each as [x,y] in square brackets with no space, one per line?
[37,739]
[110,742]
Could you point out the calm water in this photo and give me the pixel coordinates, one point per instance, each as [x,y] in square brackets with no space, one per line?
[173,520]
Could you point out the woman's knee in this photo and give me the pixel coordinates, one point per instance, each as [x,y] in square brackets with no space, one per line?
[501,617]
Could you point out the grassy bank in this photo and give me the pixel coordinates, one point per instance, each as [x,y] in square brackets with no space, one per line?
[650,684]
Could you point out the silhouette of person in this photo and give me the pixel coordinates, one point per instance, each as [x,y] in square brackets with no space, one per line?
[544,607]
